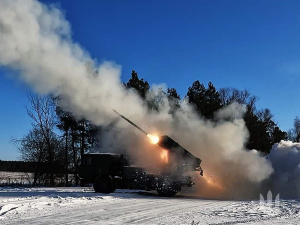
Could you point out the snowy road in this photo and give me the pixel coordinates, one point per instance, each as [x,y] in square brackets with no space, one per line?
[82,206]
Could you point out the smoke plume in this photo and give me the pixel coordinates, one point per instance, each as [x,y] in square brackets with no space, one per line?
[285,158]
[35,41]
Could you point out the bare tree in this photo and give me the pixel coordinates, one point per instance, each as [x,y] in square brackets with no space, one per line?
[41,145]
[297,127]
[230,95]
[294,133]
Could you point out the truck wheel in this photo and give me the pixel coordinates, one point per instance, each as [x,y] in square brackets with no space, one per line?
[104,184]
[166,189]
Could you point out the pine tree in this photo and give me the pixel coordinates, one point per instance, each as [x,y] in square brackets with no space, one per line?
[196,95]
[140,85]
[206,101]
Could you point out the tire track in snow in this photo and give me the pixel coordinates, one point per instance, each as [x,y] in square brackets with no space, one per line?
[102,208]
[128,211]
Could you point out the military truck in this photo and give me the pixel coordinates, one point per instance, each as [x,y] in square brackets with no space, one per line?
[108,171]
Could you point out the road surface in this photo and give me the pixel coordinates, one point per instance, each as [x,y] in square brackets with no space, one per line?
[83,206]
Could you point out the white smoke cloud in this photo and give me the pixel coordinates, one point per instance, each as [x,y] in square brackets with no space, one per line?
[35,40]
[233,111]
[226,161]
[285,159]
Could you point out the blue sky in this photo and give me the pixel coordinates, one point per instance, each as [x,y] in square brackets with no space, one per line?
[251,44]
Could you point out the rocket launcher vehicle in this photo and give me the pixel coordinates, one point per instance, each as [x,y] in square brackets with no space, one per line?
[181,159]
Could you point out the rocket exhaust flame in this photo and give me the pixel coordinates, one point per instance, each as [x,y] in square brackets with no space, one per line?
[211,182]
[164,156]
[154,139]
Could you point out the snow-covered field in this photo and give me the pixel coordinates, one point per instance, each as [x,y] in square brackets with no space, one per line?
[82,206]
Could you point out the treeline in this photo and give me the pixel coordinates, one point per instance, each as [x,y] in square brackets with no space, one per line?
[59,139]
[264,131]
[27,167]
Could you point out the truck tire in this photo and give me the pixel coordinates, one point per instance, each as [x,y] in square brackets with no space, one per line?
[167,189]
[104,184]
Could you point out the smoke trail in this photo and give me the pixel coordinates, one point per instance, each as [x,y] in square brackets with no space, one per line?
[35,40]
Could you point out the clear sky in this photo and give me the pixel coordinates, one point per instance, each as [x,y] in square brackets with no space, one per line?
[251,44]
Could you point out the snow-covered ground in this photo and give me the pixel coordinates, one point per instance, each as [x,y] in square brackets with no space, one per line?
[82,206]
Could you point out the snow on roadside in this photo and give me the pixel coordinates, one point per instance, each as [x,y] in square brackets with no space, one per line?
[23,202]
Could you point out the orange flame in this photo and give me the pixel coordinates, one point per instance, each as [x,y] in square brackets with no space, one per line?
[154,139]
[164,156]
[212,182]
